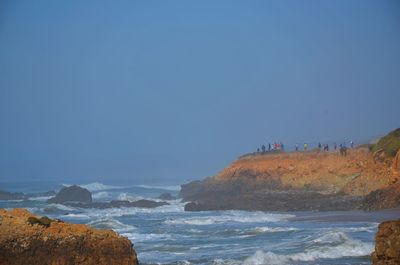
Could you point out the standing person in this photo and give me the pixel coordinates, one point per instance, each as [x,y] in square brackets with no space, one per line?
[334,146]
[351,144]
[269,146]
[305,146]
[258,150]
[263,148]
[296,147]
[319,146]
[282,147]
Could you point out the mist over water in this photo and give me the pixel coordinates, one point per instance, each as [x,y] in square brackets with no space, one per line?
[169,235]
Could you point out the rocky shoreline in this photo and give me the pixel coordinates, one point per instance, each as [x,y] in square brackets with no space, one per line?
[29,239]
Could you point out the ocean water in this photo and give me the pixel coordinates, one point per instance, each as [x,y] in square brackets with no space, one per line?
[169,235]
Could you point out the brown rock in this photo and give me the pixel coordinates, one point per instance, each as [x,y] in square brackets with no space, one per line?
[387,248]
[29,239]
[319,180]
[379,155]
[396,163]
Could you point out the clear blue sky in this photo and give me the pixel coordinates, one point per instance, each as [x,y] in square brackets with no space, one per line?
[147,90]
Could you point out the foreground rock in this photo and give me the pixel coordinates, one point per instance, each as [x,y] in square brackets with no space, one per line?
[32,240]
[72,194]
[387,248]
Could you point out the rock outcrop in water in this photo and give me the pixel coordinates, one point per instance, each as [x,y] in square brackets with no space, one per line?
[32,240]
[166,196]
[299,181]
[80,197]
[72,194]
[387,248]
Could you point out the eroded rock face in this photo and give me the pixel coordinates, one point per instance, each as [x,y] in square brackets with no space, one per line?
[387,248]
[33,240]
[386,198]
[396,163]
[72,194]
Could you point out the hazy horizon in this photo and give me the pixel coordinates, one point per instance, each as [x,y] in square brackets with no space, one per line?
[171,91]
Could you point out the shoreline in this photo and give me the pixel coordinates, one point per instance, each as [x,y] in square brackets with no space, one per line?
[347,216]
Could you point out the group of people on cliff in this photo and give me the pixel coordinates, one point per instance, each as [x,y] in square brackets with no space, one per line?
[279,146]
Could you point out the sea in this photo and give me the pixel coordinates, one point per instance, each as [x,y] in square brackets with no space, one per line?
[169,235]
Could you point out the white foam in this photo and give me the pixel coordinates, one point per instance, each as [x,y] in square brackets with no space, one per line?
[225,262]
[126,197]
[261,258]
[75,216]
[171,188]
[96,186]
[56,206]
[232,216]
[137,237]
[42,198]
[183,262]
[332,237]
[266,229]
[95,214]
[101,195]
[370,228]
[330,246]
[110,223]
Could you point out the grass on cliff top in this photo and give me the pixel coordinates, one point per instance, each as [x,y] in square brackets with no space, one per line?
[390,143]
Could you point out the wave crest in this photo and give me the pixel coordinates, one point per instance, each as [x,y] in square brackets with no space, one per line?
[330,246]
[234,216]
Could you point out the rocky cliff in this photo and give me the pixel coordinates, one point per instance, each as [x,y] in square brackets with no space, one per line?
[387,248]
[299,181]
[29,239]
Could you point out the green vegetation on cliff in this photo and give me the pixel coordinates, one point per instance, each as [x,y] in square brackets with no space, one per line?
[390,143]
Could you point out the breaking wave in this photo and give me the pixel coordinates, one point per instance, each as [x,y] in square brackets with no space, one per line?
[171,188]
[109,223]
[55,208]
[96,186]
[233,216]
[329,246]
[126,197]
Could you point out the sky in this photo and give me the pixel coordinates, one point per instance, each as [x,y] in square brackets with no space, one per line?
[164,91]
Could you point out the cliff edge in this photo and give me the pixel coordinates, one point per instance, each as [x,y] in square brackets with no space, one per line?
[29,239]
[301,181]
